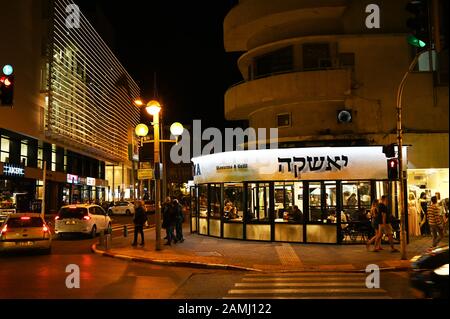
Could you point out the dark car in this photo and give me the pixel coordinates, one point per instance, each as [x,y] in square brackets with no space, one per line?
[430,273]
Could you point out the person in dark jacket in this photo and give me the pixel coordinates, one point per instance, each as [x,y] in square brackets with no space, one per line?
[179,219]
[169,220]
[139,221]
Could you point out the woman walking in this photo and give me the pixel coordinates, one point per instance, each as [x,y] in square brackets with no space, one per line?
[374,216]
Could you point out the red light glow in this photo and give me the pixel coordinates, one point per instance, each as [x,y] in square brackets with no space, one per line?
[45,229]
[86,217]
[25,218]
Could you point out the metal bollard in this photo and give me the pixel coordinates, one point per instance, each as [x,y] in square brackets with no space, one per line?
[102,239]
[125,231]
[108,242]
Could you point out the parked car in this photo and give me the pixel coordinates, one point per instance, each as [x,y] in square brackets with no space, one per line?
[25,231]
[82,219]
[430,273]
[122,208]
[149,206]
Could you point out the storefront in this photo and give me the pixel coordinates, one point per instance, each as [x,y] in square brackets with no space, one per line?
[254,195]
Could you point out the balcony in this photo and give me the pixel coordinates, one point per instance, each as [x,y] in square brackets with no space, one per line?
[299,86]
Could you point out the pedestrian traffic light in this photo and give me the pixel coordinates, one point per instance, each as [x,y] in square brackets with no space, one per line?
[389,150]
[392,167]
[7,86]
[418,24]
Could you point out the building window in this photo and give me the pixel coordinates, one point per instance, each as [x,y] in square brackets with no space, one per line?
[24,152]
[278,61]
[65,161]
[53,157]
[258,202]
[356,200]
[40,155]
[284,120]
[316,56]
[233,209]
[215,201]
[4,149]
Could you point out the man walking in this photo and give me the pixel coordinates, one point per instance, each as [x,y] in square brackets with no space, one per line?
[139,221]
[179,219]
[168,221]
[435,222]
[385,226]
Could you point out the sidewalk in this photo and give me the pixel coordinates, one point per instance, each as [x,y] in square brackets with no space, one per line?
[209,252]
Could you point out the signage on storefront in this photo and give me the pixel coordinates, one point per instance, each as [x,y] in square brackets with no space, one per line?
[13,170]
[145,173]
[90,181]
[318,163]
[72,179]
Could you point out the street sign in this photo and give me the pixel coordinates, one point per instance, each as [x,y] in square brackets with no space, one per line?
[145,173]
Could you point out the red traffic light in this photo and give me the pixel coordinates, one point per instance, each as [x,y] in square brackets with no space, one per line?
[392,168]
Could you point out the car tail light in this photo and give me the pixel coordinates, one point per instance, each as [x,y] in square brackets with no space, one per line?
[25,218]
[86,217]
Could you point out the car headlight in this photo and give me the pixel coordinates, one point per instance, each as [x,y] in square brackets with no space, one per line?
[415,258]
[442,271]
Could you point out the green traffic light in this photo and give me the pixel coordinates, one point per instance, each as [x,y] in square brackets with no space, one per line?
[416,42]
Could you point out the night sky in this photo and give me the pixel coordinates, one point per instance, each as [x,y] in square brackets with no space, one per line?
[182,41]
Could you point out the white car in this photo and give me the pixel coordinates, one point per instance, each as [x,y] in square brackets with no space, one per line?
[25,231]
[83,219]
[122,208]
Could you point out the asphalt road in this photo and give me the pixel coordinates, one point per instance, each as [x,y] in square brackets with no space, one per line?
[44,276]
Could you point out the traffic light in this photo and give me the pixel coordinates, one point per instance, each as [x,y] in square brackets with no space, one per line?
[418,24]
[7,86]
[389,150]
[392,168]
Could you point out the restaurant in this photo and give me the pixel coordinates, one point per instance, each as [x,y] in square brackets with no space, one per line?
[300,195]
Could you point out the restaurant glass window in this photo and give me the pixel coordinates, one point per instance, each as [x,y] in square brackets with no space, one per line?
[258,202]
[24,152]
[356,200]
[330,204]
[4,149]
[233,209]
[203,200]
[284,201]
[315,202]
[214,197]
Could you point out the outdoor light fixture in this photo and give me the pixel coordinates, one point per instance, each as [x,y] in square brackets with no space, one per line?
[8,70]
[344,116]
[141,130]
[176,129]
[153,107]
[138,102]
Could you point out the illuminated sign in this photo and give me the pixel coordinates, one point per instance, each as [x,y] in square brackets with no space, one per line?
[90,181]
[72,179]
[13,170]
[288,164]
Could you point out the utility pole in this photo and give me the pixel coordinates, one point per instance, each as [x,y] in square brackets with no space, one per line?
[44,180]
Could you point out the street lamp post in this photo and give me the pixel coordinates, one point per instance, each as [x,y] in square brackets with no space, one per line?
[400,157]
[153,108]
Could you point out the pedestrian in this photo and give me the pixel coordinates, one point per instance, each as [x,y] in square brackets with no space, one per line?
[179,219]
[297,215]
[385,226]
[375,222]
[435,222]
[424,227]
[139,221]
[168,220]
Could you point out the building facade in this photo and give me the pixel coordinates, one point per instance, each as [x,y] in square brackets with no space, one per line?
[72,108]
[314,70]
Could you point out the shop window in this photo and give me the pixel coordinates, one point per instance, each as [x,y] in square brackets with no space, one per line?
[215,201]
[315,202]
[258,203]
[330,202]
[4,149]
[203,200]
[284,201]
[233,209]
[194,201]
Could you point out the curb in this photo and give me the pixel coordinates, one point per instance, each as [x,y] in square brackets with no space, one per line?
[195,264]
[192,264]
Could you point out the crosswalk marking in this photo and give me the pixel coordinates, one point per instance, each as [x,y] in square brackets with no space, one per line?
[306,285]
